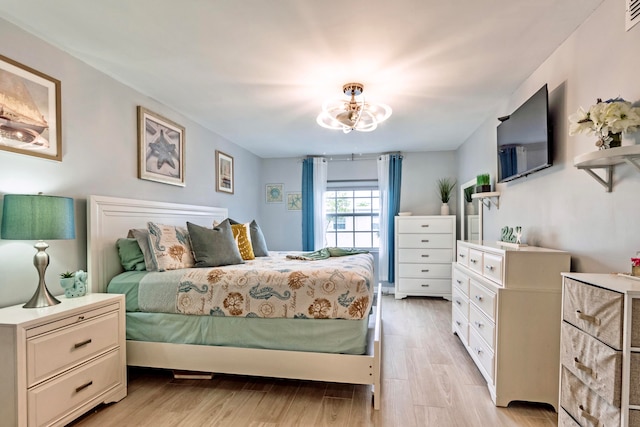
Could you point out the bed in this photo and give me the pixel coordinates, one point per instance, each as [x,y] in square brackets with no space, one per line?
[111,218]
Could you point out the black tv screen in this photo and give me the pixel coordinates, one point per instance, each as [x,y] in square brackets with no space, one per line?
[524,138]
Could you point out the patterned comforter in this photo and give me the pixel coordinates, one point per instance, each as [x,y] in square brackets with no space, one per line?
[274,287]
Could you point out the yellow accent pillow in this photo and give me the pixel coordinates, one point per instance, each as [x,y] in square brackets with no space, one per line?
[241,234]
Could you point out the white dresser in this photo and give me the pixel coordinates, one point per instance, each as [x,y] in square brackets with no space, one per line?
[424,250]
[61,361]
[600,351]
[506,310]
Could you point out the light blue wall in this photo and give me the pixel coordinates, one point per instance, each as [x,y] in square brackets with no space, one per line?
[100,157]
[562,207]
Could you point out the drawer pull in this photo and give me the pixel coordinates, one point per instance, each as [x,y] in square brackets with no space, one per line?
[479,297]
[425,256]
[82,344]
[425,240]
[588,318]
[593,420]
[425,225]
[83,386]
[459,282]
[461,255]
[478,350]
[582,367]
[458,323]
[425,285]
[489,267]
[458,302]
[478,324]
[425,271]
[80,318]
[473,260]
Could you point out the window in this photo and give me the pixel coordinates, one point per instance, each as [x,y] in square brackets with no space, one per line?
[353,217]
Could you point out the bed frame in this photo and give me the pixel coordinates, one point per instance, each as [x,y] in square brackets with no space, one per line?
[110,218]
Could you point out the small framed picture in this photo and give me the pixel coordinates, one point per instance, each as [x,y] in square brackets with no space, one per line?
[274,193]
[224,172]
[29,111]
[160,148]
[294,201]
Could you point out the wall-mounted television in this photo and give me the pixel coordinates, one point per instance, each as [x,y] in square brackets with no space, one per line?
[524,138]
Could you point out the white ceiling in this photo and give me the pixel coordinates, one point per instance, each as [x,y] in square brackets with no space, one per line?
[257,72]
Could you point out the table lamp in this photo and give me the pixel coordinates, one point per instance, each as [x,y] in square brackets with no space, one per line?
[38,217]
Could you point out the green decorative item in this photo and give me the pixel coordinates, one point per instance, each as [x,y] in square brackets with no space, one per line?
[483,183]
[467,194]
[74,284]
[511,236]
[445,189]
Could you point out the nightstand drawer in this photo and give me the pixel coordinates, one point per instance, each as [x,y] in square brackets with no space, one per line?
[595,310]
[424,225]
[424,270]
[56,398]
[425,255]
[49,354]
[483,299]
[426,285]
[438,241]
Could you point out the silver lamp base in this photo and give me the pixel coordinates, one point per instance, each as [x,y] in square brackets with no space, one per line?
[42,297]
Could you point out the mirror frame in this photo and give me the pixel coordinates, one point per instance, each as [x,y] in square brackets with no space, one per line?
[463,212]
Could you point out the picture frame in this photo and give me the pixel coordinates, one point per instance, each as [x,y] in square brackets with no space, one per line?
[161,149]
[224,172]
[294,201]
[30,117]
[274,193]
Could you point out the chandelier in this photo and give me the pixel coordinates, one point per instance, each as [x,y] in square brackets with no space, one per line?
[352,114]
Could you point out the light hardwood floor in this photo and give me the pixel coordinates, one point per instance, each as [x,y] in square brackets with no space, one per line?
[428,380]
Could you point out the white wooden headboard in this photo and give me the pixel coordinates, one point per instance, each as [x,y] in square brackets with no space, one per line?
[110,218]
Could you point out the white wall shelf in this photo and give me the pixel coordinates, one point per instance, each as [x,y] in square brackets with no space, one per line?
[488,199]
[608,160]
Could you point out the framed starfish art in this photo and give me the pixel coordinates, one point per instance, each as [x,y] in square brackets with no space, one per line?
[160,148]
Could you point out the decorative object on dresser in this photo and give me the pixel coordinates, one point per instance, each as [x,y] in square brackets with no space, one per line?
[61,361]
[38,217]
[506,308]
[424,248]
[74,285]
[600,350]
[635,266]
[511,237]
[483,183]
[607,120]
[445,189]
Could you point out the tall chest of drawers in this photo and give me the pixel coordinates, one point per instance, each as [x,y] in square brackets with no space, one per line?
[600,351]
[424,250]
[61,361]
[505,308]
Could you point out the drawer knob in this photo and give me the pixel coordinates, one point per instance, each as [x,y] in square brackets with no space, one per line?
[461,255]
[582,367]
[489,267]
[588,318]
[82,344]
[478,324]
[458,323]
[83,386]
[479,297]
[459,282]
[478,350]
[458,302]
[80,318]
[593,420]
[425,285]
[473,260]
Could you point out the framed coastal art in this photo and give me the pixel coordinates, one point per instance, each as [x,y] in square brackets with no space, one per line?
[274,193]
[29,111]
[294,201]
[224,172]
[160,148]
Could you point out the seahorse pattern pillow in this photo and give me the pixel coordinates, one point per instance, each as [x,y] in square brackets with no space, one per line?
[170,246]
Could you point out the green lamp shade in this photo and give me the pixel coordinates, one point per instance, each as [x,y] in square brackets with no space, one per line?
[37,217]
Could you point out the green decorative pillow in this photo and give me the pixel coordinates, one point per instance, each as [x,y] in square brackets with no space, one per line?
[258,242]
[142,237]
[213,247]
[131,256]
[170,246]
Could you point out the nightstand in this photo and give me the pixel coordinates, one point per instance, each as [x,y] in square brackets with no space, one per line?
[61,361]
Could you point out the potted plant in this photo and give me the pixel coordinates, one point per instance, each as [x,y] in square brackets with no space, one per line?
[470,209]
[66,279]
[483,183]
[445,189]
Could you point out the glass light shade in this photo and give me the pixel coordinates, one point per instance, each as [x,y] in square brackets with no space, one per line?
[37,217]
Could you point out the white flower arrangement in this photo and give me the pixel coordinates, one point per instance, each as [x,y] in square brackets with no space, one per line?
[607,120]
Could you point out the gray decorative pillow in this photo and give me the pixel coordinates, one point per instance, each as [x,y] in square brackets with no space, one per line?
[213,247]
[142,237]
[257,240]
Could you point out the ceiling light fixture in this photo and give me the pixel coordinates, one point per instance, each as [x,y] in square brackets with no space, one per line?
[352,114]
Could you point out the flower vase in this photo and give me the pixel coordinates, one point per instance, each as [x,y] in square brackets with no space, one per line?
[444,209]
[616,141]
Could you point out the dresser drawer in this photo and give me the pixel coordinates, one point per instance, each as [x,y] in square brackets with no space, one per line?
[425,255]
[596,364]
[424,225]
[424,286]
[461,281]
[54,399]
[475,260]
[482,352]
[565,420]
[460,302]
[460,325]
[492,267]
[482,325]
[51,353]
[483,298]
[595,310]
[437,241]
[424,271]
[585,405]
[462,255]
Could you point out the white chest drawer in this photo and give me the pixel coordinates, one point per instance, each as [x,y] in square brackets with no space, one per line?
[482,352]
[475,260]
[424,225]
[461,281]
[462,255]
[425,241]
[460,302]
[482,325]
[460,324]
[483,298]
[425,255]
[492,267]
[425,270]
[56,351]
[424,286]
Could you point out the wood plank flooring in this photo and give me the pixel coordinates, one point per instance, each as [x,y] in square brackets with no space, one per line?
[428,380]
